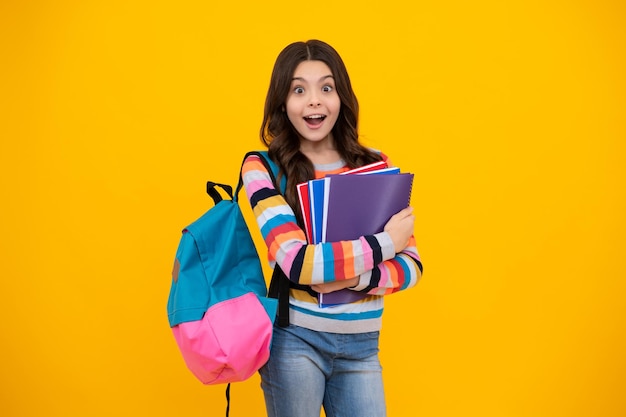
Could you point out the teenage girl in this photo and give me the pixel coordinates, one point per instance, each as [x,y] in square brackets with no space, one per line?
[326,356]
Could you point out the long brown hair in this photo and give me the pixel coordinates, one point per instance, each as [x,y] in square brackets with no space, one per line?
[281,138]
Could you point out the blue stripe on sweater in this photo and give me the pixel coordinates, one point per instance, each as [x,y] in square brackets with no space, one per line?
[406,272]
[275,222]
[343,316]
[329,272]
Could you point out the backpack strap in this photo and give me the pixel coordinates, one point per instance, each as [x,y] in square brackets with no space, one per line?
[214,194]
[279,288]
[271,167]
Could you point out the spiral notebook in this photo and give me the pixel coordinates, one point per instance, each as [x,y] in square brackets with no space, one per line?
[360,205]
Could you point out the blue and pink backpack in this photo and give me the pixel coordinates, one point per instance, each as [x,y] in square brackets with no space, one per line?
[218,308]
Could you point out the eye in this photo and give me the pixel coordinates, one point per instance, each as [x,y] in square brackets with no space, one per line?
[327,88]
[298,90]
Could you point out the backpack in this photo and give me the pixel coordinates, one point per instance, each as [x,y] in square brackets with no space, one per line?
[218,308]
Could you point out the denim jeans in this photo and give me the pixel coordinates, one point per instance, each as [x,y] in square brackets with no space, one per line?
[308,369]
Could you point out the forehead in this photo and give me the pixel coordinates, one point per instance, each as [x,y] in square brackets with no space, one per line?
[312,71]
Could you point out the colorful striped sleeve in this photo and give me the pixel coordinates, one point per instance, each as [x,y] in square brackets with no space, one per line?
[304,263]
[399,273]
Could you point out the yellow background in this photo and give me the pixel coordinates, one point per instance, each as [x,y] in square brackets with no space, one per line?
[113,114]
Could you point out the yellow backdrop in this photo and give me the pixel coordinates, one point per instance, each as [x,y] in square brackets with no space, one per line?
[113,114]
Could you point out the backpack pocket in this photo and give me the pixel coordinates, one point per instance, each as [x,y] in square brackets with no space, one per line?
[230,343]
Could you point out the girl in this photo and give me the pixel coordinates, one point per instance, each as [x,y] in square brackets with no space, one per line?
[326,356]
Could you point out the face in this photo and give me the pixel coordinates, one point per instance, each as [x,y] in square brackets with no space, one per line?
[313,104]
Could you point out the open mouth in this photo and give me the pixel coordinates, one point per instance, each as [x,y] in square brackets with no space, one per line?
[315,119]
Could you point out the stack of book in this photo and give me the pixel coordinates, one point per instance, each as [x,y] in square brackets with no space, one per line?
[354,203]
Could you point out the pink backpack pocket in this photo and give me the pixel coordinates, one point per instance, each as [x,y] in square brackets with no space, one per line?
[230,343]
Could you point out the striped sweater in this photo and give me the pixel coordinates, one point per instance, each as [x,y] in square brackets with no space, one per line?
[372,258]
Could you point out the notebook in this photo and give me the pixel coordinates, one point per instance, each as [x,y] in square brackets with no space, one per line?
[361,205]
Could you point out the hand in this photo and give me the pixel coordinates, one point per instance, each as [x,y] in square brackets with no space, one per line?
[400,228]
[335,285]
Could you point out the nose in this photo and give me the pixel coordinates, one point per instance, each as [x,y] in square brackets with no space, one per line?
[314,100]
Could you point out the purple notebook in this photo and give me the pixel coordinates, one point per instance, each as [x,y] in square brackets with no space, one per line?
[361,205]
[344,296]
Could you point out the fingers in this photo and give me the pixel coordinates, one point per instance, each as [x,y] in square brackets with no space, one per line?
[402,213]
[318,288]
[335,285]
[398,219]
[400,228]
[407,211]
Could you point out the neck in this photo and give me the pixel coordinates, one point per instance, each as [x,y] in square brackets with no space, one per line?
[322,152]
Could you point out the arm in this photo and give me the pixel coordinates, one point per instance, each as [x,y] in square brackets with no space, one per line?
[304,263]
[405,269]
[399,273]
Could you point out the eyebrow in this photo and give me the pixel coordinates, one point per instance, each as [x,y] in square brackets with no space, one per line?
[321,79]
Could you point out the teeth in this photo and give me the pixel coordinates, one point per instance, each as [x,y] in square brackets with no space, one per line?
[315,116]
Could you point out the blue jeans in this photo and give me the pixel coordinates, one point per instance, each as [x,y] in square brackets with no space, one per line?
[308,369]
